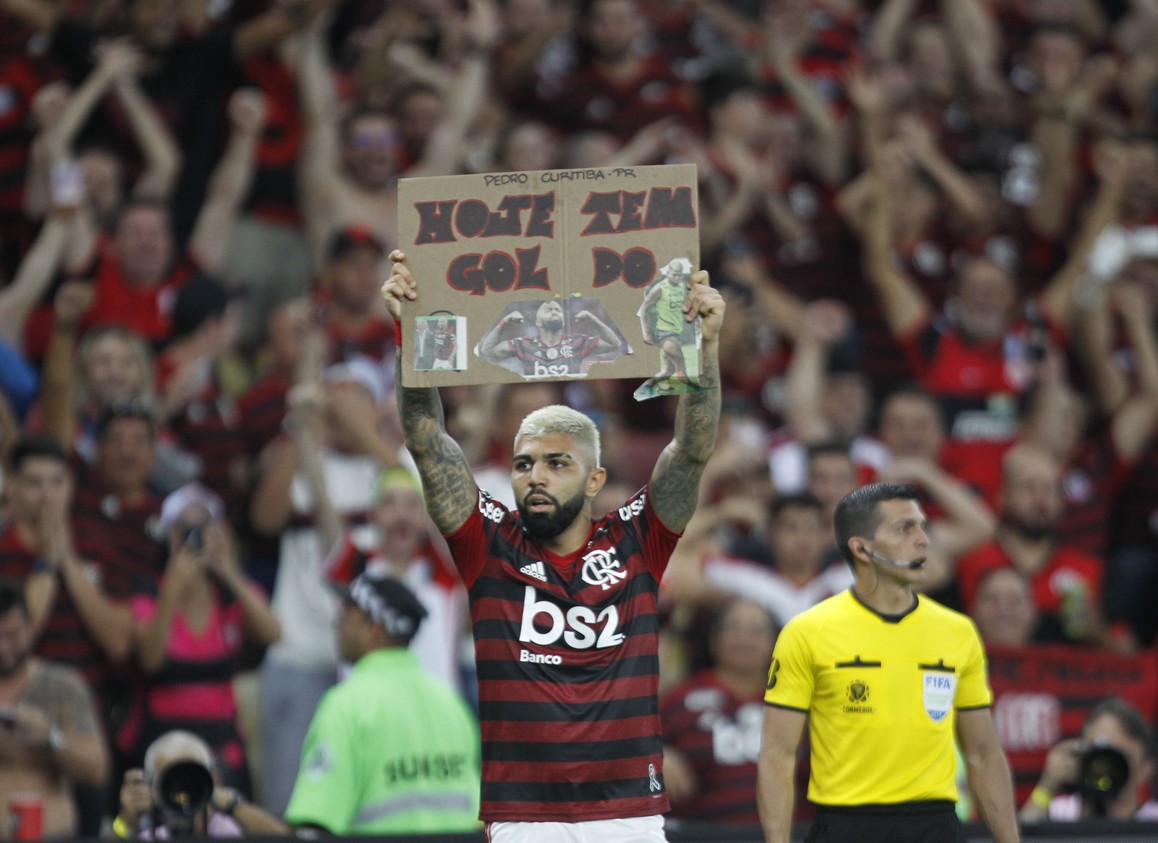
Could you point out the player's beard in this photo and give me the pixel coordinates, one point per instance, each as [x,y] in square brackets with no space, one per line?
[547,525]
[553,324]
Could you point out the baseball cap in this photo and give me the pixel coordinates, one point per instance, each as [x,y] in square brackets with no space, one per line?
[191,494]
[387,601]
[350,238]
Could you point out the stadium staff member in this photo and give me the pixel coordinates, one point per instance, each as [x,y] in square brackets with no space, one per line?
[885,678]
[391,750]
[564,606]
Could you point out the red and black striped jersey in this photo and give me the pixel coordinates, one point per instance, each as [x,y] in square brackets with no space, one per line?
[1090,486]
[1135,509]
[568,668]
[206,430]
[65,638]
[261,412]
[719,734]
[127,533]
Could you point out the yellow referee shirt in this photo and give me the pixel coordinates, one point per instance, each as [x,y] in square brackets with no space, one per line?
[881,693]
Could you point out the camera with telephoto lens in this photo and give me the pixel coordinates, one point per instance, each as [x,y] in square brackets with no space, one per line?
[1103,771]
[182,792]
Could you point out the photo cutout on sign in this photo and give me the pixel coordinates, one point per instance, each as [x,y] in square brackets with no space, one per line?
[662,320]
[555,338]
[439,343]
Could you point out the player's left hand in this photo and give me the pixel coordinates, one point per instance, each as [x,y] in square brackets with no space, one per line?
[706,301]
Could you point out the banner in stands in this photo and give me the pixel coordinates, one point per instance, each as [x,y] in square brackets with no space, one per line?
[552,275]
[1042,693]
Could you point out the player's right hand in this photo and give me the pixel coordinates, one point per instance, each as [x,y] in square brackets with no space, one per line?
[400,285]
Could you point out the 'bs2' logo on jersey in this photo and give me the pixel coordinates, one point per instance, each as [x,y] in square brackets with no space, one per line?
[580,628]
[602,568]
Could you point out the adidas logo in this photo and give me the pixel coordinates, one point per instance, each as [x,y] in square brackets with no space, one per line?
[536,570]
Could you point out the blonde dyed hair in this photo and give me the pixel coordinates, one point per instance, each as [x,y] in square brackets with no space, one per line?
[556,418]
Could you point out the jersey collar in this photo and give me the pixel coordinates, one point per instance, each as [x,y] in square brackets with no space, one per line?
[882,615]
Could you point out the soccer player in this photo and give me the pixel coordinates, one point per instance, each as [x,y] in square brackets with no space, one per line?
[886,678]
[564,606]
[445,344]
[554,351]
[661,318]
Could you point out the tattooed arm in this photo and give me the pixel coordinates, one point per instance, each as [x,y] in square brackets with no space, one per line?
[447,482]
[493,345]
[608,340]
[675,482]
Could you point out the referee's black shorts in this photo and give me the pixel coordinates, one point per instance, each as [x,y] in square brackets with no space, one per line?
[910,822]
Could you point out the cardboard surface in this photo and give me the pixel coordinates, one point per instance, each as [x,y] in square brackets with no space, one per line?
[551,275]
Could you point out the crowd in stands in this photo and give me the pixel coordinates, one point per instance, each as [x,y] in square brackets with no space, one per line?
[935,223]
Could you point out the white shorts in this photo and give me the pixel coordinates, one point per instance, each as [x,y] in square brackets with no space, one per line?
[633,830]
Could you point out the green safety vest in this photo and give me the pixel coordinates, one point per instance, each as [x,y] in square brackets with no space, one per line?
[390,750]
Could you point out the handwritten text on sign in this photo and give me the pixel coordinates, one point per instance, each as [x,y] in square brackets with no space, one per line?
[533,216]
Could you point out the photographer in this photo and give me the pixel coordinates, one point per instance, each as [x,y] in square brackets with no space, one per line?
[189,638]
[1100,773]
[177,795]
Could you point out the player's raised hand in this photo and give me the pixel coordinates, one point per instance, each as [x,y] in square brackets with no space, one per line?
[400,285]
[706,301]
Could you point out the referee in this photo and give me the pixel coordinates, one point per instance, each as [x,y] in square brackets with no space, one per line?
[885,678]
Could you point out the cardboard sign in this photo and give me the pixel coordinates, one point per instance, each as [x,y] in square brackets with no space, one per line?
[551,275]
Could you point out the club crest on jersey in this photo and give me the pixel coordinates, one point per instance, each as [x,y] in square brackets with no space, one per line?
[602,568]
[938,690]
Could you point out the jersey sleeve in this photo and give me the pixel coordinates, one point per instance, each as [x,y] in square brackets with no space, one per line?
[658,540]
[470,543]
[791,680]
[973,686]
[587,345]
[326,791]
